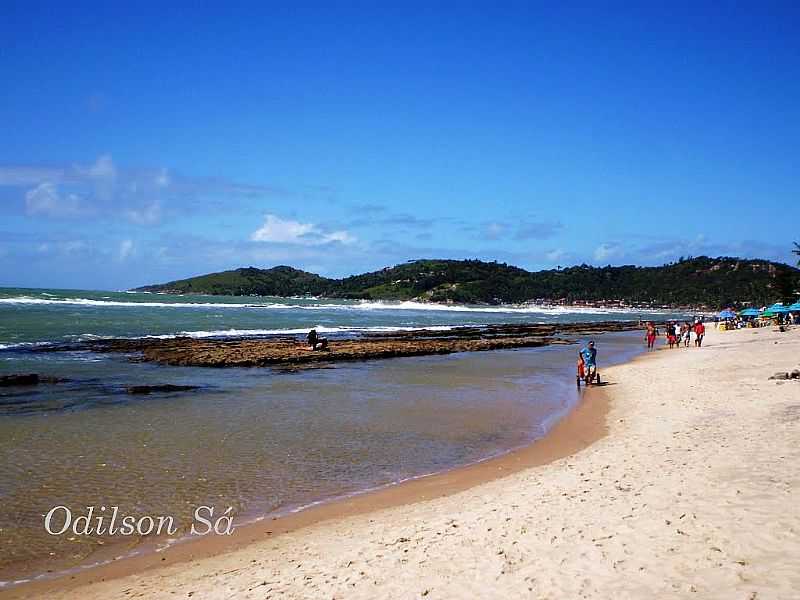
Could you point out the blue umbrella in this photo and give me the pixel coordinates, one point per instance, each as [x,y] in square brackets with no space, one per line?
[779,308]
[794,307]
[749,312]
[727,314]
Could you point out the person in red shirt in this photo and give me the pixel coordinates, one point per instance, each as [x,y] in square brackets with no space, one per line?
[699,332]
[652,332]
[581,375]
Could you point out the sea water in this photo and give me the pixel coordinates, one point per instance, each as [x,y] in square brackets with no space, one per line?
[259,440]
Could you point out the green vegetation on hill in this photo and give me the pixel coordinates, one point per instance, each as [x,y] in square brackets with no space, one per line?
[278,281]
[713,282]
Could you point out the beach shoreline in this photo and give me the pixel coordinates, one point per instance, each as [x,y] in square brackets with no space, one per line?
[546,381]
[579,427]
[314,558]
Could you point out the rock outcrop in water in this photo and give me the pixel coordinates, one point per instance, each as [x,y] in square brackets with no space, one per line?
[25,379]
[288,351]
[19,379]
[163,388]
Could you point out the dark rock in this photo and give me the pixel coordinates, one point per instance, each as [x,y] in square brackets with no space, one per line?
[290,351]
[780,375]
[284,351]
[52,379]
[29,379]
[795,374]
[19,379]
[149,389]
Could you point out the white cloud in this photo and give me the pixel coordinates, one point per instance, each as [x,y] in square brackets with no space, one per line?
[103,190]
[103,168]
[147,215]
[74,246]
[605,252]
[104,175]
[163,179]
[495,230]
[46,199]
[342,237]
[126,248]
[24,176]
[276,229]
[557,255]
[286,231]
[63,248]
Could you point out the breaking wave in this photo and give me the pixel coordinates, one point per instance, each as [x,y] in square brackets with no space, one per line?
[343,306]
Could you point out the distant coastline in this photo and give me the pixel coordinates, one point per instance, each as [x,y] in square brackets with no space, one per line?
[698,284]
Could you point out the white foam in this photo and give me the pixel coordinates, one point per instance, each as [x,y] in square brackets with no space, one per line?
[90,302]
[22,345]
[303,330]
[345,305]
[86,337]
[505,308]
[290,331]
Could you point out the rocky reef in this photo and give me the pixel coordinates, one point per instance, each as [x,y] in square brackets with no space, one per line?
[288,351]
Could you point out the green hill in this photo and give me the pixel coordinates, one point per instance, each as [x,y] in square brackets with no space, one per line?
[277,281]
[713,282]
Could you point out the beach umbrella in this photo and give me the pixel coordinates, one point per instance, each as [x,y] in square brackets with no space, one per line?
[767,313]
[794,307]
[778,308]
[727,314]
[749,312]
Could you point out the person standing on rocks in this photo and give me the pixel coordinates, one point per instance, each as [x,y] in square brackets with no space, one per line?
[315,341]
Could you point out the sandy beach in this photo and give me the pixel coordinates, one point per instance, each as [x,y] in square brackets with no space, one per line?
[681,480]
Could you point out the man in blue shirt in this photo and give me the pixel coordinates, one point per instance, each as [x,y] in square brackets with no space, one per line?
[590,359]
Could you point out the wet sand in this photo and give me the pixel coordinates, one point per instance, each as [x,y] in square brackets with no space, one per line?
[693,492]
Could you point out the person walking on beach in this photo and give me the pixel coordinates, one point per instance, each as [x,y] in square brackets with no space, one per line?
[650,336]
[687,334]
[590,361]
[671,334]
[699,332]
[581,374]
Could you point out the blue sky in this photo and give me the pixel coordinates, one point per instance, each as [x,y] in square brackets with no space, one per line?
[156,141]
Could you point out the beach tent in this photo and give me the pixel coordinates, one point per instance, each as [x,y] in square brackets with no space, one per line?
[749,312]
[778,308]
[727,314]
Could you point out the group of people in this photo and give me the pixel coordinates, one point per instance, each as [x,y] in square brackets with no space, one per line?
[739,322]
[677,334]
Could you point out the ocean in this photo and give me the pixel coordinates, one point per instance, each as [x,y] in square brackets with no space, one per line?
[260,440]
